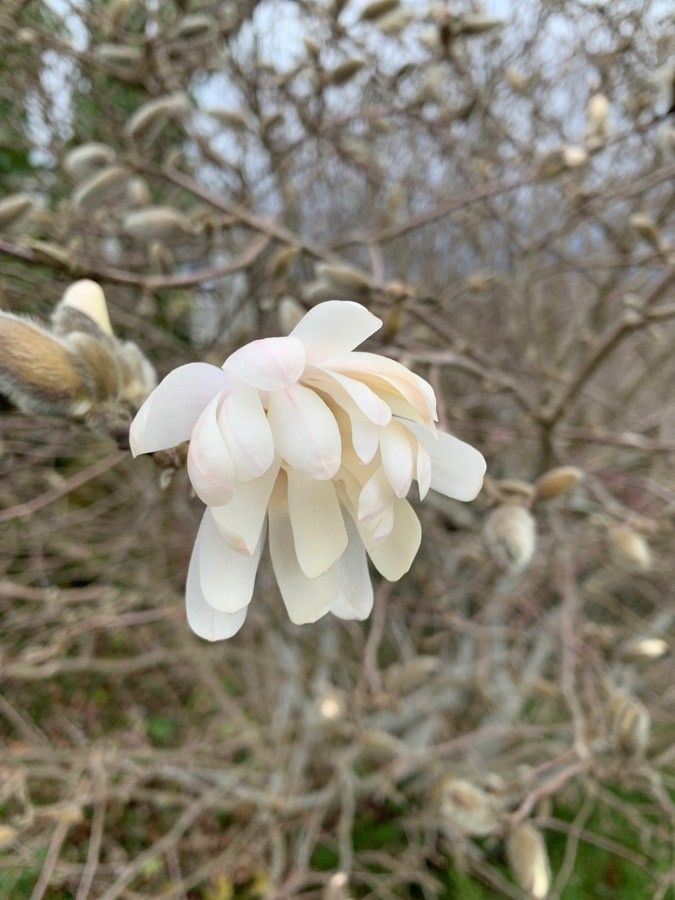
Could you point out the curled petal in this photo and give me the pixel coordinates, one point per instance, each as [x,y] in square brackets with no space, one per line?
[226,577]
[397,457]
[269,364]
[306,434]
[204,620]
[423,470]
[316,518]
[306,599]
[209,462]
[457,468]
[333,327]
[247,432]
[241,521]
[170,412]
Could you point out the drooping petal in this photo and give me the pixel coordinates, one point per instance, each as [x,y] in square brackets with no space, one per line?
[306,599]
[372,369]
[336,326]
[316,518]
[209,462]
[423,470]
[376,495]
[240,522]
[247,432]
[355,591]
[373,407]
[170,412]
[269,364]
[457,468]
[306,434]
[393,556]
[397,457]
[226,577]
[204,620]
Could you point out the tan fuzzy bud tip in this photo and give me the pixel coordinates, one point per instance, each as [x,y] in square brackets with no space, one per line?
[516,489]
[83,161]
[281,261]
[528,860]
[466,808]
[644,648]
[15,208]
[147,122]
[229,118]
[471,24]
[195,27]
[119,55]
[342,276]
[344,72]
[510,535]
[378,8]
[630,724]
[557,481]
[88,297]
[156,223]
[101,187]
[629,549]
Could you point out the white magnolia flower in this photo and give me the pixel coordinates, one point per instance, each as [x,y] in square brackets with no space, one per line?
[321,442]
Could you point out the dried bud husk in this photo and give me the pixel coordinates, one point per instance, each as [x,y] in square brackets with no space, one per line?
[629,549]
[465,808]
[290,313]
[281,261]
[378,8]
[557,481]
[156,223]
[229,118]
[471,24]
[81,162]
[15,209]
[647,229]
[344,72]
[122,58]
[104,186]
[405,677]
[630,724]
[147,123]
[195,27]
[510,535]
[528,860]
[597,120]
[516,491]
[644,648]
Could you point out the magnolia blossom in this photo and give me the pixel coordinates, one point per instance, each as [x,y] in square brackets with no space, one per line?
[316,444]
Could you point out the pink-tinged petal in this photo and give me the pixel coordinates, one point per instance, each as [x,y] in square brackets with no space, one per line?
[316,519]
[209,462]
[376,495]
[355,588]
[306,599]
[241,521]
[396,450]
[333,327]
[226,577]
[375,370]
[373,407]
[269,364]
[204,620]
[306,434]
[423,470]
[247,432]
[457,468]
[170,412]
[393,556]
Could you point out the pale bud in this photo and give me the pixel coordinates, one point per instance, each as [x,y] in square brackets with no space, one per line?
[15,209]
[516,490]
[101,187]
[195,27]
[156,223]
[510,535]
[342,276]
[528,860]
[466,808]
[336,887]
[290,313]
[83,161]
[406,677]
[121,57]
[644,648]
[630,724]
[557,481]
[281,261]
[331,706]
[574,157]
[7,836]
[597,119]
[629,549]
[517,80]
[146,124]
[87,297]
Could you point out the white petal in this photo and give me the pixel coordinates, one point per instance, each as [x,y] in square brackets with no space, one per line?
[240,522]
[226,577]
[373,368]
[457,469]
[269,364]
[170,412]
[372,406]
[423,473]
[306,599]
[305,432]
[376,495]
[204,620]
[247,432]
[397,457]
[316,518]
[336,326]
[393,556]
[209,462]
[355,593]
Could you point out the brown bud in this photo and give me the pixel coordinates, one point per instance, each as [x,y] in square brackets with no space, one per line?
[528,860]
[557,481]
[629,549]
[281,261]
[15,209]
[344,72]
[378,8]
[630,724]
